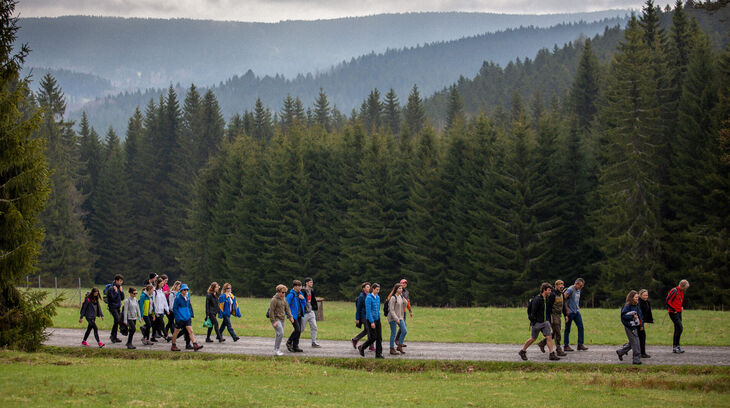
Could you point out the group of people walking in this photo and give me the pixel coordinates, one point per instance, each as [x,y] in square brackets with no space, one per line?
[299,307]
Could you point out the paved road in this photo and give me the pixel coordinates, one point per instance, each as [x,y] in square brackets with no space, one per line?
[695,355]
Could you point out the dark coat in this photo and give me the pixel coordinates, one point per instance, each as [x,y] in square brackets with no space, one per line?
[645,308]
[211,305]
[91,309]
[541,309]
[115,297]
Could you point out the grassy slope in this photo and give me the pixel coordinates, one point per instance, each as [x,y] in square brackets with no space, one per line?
[487,325]
[73,377]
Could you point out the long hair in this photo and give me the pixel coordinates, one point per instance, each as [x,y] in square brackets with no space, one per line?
[630,297]
[394,290]
[212,289]
[94,294]
[158,283]
[226,286]
[176,286]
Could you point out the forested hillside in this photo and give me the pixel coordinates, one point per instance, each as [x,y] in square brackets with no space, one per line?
[78,88]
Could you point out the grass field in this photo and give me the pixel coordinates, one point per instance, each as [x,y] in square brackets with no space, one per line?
[471,325]
[75,377]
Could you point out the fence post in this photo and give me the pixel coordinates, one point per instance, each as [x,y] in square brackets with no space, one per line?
[39,282]
[55,278]
[79,290]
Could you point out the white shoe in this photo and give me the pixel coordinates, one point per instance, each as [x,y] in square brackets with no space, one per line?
[278,353]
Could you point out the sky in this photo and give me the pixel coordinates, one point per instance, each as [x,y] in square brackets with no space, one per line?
[278,10]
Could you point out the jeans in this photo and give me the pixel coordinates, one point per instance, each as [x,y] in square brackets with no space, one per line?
[375,335]
[632,345]
[364,331]
[402,331]
[293,340]
[279,328]
[132,326]
[117,316]
[312,320]
[573,317]
[678,327]
[215,326]
[398,336]
[226,323]
[91,326]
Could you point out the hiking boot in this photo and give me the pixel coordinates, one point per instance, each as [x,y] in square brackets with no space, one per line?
[553,356]
[101,345]
[153,340]
[354,343]
[637,362]
[645,356]
[174,347]
[221,340]
[189,347]
[400,349]
[567,348]
[84,343]
[289,347]
[131,347]
[523,355]
[234,340]
[208,340]
[379,356]
[196,347]
[361,350]
[315,345]
[298,350]
[115,340]
[582,348]
[393,352]
[620,356]
[542,345]
[559,351]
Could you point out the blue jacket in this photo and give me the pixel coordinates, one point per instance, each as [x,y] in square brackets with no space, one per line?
[228,306]
[360,307]
[182,308]
[372,307]
[627,316]
[296,305]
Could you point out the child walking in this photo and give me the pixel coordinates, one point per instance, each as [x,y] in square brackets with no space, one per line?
[90,310]
[228,306]
[131,316]
[146,308]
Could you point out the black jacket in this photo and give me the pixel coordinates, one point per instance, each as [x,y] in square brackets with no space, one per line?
[91,310]
[211,305]
[313,302]
[115,297]
[541,309]
[646,311]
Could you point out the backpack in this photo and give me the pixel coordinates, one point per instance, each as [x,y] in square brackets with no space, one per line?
[106,292]
[529,308]
[386,308]
[268,313]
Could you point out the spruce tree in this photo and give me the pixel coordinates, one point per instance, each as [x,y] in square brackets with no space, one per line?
[91,163]
[455,109]
[322,111]
[391,112]
[414,113]
[584,92]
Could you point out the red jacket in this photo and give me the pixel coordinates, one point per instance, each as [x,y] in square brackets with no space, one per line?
[674,300]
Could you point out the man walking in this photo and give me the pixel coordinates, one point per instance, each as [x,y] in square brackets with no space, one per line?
[360,314]
[309,315]
[556,318]
[541,308]
[297,304]
[115,296]
[407,296]
[675,299]
[572,297]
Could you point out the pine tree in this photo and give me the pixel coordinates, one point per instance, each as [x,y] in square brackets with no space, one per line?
[91,162]
[391,112]
[455,109]
[261,127]
[322,111]
[136,151]
[584,92]
[414,113]
[371,111]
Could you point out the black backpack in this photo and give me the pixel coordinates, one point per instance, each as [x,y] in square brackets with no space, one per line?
[529,308]
[386,308]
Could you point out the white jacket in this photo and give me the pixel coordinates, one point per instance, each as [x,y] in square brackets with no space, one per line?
[171,299]
[161,306]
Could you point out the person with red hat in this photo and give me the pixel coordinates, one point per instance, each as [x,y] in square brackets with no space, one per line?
[407,297]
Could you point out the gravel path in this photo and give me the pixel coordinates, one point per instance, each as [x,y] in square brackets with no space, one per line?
[263,346]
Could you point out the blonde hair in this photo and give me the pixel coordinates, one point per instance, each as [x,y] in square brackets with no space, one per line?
[280,288]
[683,283]
[641,292]
[212,287]
[176,286]
[226,286]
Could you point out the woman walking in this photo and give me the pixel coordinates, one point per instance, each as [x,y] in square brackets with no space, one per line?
[146,308]
[131,315]
[632,321]
[372,311]
[645,308]
[228,307]
[211,310]
[90,310]
[278,311]
[162,309]
[396,318]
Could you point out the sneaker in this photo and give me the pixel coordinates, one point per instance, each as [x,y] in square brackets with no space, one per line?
[379,356]
[278,353]
[315,345]
[645,356]
[221,340]
[679,350]
[115,340]
[523,355]
[196,347]
[361,350]
[567,348]
[131,347]
[289,347]
[371,348]
[208,340]
[101,345]
[85,344]
[153,340]
[620,356]
[637,362]
[234,340]
[542,346]
[675,350]
[174,347]
[553,356]
[189,347]
[354,343]
[582,348]
[298,350]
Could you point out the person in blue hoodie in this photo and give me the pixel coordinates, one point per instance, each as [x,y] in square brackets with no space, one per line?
[297,304]
[228,306]
[372,311]
[183,310]
[633,321]
[360,314]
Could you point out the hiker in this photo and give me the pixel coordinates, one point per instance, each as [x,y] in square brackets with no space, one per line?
[211,310]
[407,297]
[162,309]
[114,297]
[632,321]
[572,297]
[151,279]
[556,318]
[170,325]
[372,312]
[146,308]
[131,316]
[278,310]
[541,309]
[228,307]
[645,309]
[675,299]
[297,304]
[309,312]
[360,319]
[183,318]
[174,291]
[91,309]
[397,318]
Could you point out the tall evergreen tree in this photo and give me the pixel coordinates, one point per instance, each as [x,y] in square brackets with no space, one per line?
[391,112]
[455,109]
[91,162]
[371,111]
[414,113]
[322,110]
[584,92]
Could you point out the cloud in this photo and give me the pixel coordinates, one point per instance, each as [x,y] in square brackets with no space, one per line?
[276,10]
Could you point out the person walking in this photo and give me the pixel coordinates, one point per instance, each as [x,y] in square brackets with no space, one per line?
[541,307]
[645,308]
[278,311]
[211,311]
[146,307]
[632,321]
[372,311]
[297,304]
[174,291]
[131,316]
[675,300]
[170,325]
[556,318]
[115,297]
[162,309]
[360,318]
[407,297]
[183,318]
[91,309]
[396,318]
[228,306]
[572,297]
[309,312]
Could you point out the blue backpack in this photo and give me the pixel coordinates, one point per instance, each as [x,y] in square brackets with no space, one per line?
[106,292]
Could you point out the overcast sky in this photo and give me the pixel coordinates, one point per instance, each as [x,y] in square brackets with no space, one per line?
[277,10]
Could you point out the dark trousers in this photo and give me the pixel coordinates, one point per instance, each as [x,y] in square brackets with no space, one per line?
[147,327]
[226,323]
[293,340]
[375,335]
[132,327]
[642,340]
[678,328]
[170,327]
[92,325]
[159,326]
[364,331]
[116,316]
[397,336]
[214,321]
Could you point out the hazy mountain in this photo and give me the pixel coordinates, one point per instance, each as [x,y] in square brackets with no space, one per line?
[79,88]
